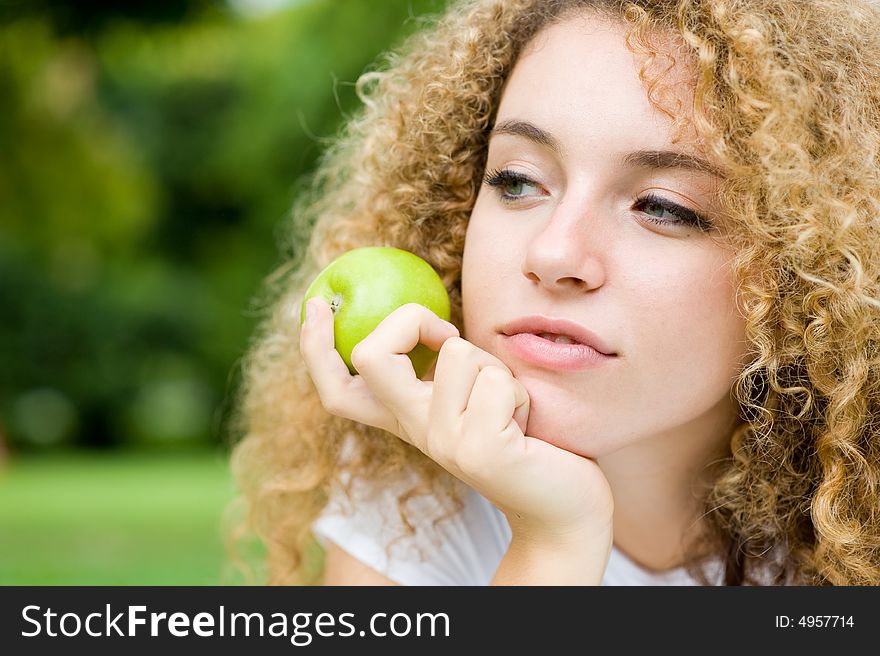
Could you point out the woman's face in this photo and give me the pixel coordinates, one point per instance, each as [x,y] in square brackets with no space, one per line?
[584,218]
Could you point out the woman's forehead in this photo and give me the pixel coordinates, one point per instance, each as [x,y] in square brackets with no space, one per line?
[580,80]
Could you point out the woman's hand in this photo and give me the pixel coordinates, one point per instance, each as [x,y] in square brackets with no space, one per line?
[470,419]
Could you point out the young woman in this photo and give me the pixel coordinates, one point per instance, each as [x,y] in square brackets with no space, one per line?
[657,221]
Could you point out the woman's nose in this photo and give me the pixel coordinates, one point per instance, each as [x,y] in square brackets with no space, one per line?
[567,253]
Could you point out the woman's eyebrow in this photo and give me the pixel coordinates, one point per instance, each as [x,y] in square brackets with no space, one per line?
[650,159]
[671,159]
[529,131]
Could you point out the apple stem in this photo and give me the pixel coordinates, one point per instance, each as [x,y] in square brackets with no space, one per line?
[335,303]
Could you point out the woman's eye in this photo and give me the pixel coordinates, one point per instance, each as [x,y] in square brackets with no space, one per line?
[663,212]
[656,209]
[512,185]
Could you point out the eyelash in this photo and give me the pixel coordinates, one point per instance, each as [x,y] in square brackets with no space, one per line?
[500,178]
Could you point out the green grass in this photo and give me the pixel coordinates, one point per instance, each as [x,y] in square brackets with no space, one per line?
[115,519]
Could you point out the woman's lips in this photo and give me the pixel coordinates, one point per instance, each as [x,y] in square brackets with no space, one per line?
[547,354]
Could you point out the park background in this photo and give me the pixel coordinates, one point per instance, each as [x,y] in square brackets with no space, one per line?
[149,155]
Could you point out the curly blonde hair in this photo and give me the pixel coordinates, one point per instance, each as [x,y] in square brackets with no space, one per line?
[788,102]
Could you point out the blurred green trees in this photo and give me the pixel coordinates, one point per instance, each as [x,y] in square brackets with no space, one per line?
[146,163]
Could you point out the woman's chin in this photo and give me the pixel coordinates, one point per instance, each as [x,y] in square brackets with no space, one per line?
[559,415]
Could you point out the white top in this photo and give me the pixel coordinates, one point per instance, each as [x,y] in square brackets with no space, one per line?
[461,550]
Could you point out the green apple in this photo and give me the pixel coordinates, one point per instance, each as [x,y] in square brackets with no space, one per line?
[365,285]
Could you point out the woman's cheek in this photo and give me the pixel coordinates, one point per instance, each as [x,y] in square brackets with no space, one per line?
[704,338]
[489,269]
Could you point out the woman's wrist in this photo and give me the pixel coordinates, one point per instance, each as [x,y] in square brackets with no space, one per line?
[576,557]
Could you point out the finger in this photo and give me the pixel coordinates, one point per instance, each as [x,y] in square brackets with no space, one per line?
[458,364]
[495,398]
[382,355]
[341,393]
[381,360]
[316,344]
[521,414]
